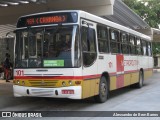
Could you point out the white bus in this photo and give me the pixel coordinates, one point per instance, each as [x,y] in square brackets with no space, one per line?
[74,54]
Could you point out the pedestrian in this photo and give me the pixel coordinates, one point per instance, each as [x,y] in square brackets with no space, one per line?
[7,67]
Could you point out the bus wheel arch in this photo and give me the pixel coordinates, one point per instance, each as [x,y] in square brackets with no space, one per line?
[104,85]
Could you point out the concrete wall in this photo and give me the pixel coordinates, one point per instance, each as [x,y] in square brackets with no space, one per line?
[98,7]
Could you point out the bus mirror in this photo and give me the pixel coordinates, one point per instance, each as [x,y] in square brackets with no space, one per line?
[7,34]
[85,23]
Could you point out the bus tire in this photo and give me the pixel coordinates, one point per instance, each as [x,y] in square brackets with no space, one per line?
[103,91]
[141,80]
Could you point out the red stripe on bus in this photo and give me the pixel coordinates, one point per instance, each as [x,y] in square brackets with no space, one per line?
[75,77]
[113,74]
[47,77]
[131,71]
[59,77]
[148,69]
[92,76]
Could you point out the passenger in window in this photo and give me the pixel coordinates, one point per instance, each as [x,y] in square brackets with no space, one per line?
[67,44]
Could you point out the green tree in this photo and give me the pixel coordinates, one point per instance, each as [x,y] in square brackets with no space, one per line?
[149,11]
[156,48]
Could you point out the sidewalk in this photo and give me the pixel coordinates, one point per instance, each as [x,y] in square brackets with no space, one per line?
[4,81]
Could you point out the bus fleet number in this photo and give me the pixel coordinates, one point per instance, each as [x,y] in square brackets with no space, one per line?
[20,73]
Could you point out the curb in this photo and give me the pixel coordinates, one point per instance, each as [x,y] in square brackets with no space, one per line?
[156,70]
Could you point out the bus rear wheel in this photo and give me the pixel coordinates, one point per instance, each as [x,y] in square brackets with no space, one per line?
[103,91]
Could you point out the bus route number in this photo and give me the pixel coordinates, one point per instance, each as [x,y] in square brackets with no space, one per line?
[20,73]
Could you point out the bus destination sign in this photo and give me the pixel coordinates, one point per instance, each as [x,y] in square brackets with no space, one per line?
[47,18]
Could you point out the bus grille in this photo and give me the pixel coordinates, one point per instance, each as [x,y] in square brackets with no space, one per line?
[42,92]
[43,83]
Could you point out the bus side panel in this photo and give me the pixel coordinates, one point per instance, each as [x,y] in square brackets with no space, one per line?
[108,65]
[90,88]
[130,70]
[113,82]
[86,89]
[127,80]
[96,91]
[134,78]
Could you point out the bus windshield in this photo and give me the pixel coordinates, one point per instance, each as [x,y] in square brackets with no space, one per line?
[47,47]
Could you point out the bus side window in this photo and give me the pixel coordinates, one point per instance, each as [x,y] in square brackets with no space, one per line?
[139,46]
[132,45]
[144,46]
[124,42]
[149,49]
[88,45]
[102,35]
[114,43]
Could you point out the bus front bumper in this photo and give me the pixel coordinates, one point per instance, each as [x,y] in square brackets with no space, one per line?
[72,92]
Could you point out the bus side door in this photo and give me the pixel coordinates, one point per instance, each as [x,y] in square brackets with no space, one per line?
[89,53]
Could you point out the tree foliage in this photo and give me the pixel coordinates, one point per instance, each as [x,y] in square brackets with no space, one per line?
[149,11]
[156,48]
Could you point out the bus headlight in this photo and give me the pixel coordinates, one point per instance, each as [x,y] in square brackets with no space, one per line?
[63,84]
[18,82]
[70,82]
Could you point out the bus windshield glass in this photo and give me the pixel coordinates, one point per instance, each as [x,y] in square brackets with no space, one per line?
[47,47]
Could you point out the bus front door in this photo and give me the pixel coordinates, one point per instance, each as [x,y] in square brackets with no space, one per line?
[89,53]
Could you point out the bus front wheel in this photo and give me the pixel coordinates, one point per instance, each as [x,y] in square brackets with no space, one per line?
[103,91]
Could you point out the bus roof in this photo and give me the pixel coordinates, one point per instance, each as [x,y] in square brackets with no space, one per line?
[97,19]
